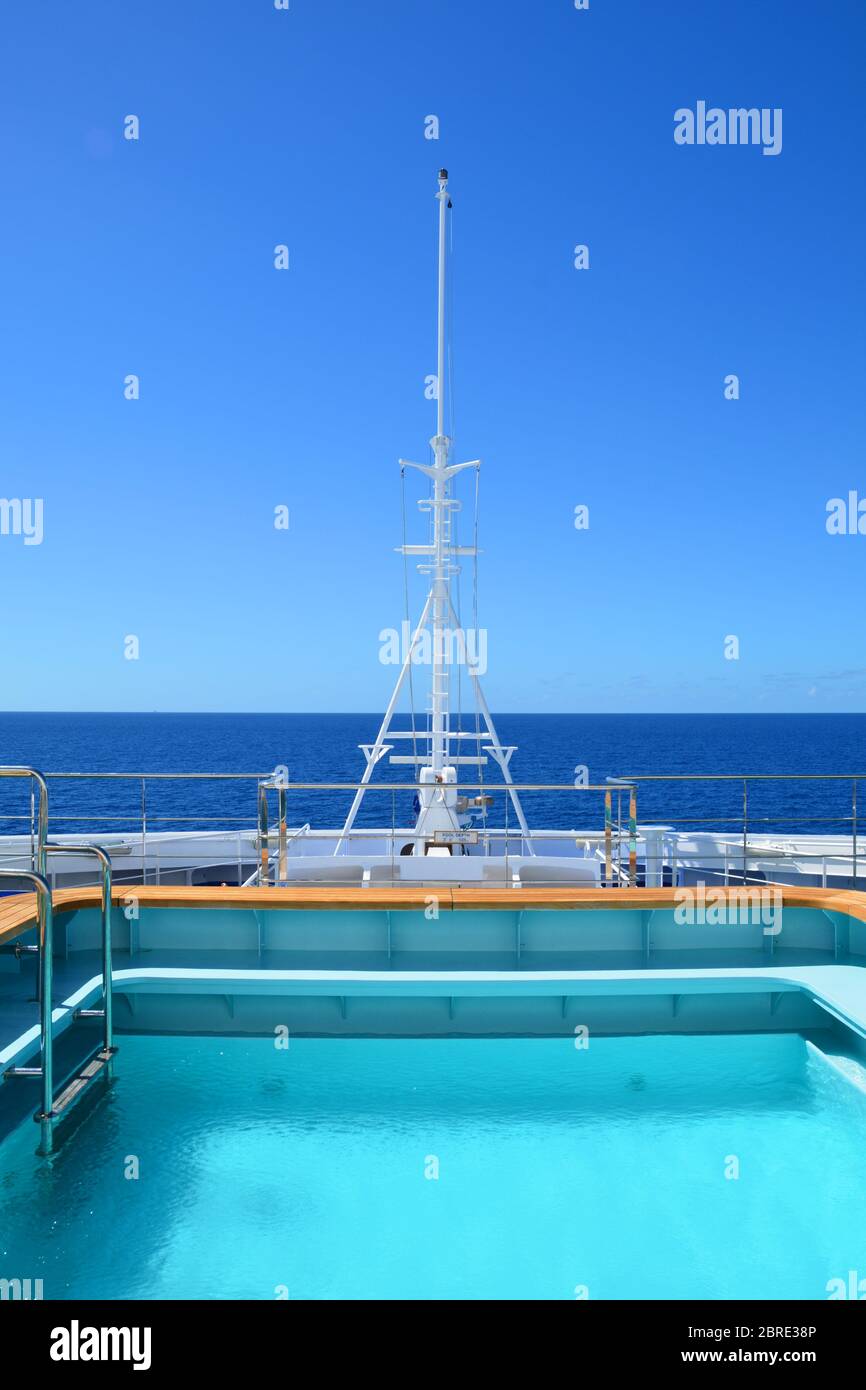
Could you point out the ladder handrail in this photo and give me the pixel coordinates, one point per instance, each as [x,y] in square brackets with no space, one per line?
[42,812]
[46,986]
[45,925]
[105,860]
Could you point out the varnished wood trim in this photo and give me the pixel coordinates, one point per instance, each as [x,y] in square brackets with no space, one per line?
[18,913]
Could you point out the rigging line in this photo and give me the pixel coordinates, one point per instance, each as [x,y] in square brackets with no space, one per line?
[431,532]
[406,605]
[475,627]
[431,536]
[450,331]
[454,531]
[455,542]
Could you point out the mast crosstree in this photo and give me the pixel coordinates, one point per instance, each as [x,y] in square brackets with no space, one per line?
[439,560]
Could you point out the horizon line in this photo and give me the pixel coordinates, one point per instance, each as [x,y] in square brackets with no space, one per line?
[376,714]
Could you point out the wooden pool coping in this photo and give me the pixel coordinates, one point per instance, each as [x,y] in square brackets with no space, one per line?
[18,912]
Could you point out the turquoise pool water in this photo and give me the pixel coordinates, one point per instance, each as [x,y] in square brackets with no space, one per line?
[310,1172]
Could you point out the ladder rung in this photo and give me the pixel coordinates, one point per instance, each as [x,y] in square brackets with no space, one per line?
[70,1094]
[23,1071]
[88,1013]
[79,1083]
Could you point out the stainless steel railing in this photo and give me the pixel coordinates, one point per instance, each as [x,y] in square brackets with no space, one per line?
[105,1013]
[46,1115]
[747,779]
[622,838]
[38,818]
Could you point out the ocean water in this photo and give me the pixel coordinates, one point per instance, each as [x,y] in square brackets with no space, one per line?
[720,1167]
[324,748]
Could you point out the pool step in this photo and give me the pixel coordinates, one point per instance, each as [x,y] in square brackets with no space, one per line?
[94,1068]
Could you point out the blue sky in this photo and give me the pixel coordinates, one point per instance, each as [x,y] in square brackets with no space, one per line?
[260,387]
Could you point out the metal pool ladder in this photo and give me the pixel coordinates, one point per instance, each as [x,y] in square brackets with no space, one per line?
[96,1064]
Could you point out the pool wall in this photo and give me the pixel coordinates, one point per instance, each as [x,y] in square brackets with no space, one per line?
[574,936]
[346,972]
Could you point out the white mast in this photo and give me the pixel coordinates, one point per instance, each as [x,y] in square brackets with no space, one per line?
[439,556]
[442,567]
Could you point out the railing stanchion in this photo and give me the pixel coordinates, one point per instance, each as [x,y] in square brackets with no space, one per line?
[263,835]
[608,833]
[745,829]
[854,830]
[144,830]
[281,812]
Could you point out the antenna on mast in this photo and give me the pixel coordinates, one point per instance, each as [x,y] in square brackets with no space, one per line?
[441,508]
[444,205]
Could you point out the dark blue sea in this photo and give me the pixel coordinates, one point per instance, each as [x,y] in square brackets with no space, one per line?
[324,748]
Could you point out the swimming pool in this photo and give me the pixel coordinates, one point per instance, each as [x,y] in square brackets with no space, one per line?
[530,1168]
